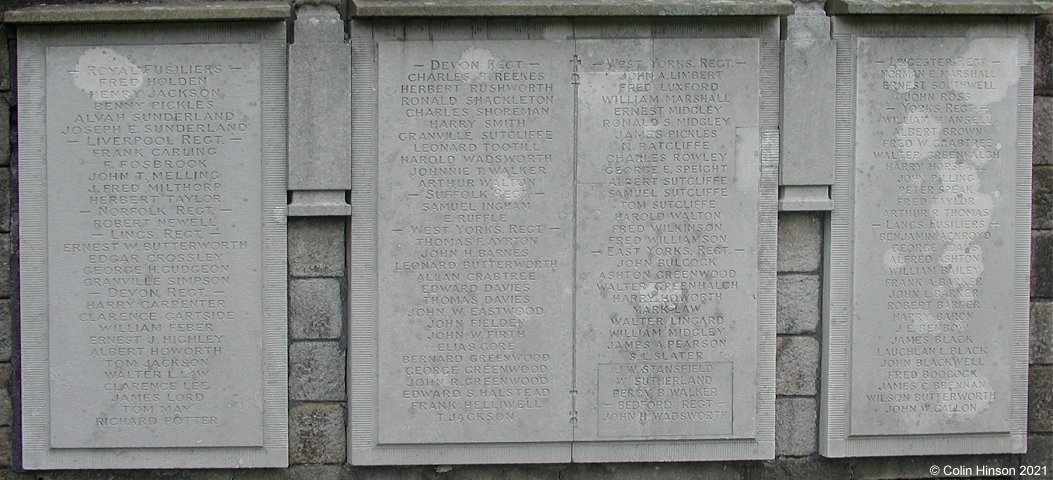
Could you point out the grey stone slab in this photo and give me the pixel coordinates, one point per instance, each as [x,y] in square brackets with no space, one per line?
[153,239]
[316,247]
[474,246]
[167,12]
[316,433]
[800,242]
[319,78]
[939,7]
[315,372]
[666,258]
[798,303]
[797,365]
[927,349]
[807,150]
[319,203]
[315,309]
[591,8]
[505,195]
[795,426]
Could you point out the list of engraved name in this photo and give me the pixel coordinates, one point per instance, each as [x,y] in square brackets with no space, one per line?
[154,266]
[477,156]
[937,144]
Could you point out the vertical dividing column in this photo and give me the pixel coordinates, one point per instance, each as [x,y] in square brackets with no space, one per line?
[320,120]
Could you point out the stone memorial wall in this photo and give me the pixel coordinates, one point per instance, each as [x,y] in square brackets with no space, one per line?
[543,240]
[552,262]
[156,313]
[933,225]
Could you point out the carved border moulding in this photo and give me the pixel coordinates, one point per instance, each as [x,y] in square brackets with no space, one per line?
[927,338]
[563,240]
[153,242]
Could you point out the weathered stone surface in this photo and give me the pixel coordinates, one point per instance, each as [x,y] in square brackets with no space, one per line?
[798,310]
[1040,400]
[319,77]
[1041,266]
[890,468]
[1044,55]
[7,373]
[455,8]
[7,194]
[1039,450]
[938,7]
[316,247]
[152,13]
[7,446]
[129,475]
[792,468]
[316,371]
[315,309]
[312,472]
[400,217]
[203,260]
[317,434]
[6,412]
[5,62]
[6,262]
[7,332]
[1042,197]
[807,136]
[797,365]
[882,279]
[1042,134]
[5,131]
[795,426]
[669,471]
[1041,331]
[800,242]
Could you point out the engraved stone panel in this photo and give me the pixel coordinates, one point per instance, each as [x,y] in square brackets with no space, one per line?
[667,271]
[474,245]
[935,302]
[153,186]
[558,249]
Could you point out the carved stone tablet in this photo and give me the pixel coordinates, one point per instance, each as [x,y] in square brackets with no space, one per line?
[928,324]
[151,182]
[544,262]
[474,246]
[667,271]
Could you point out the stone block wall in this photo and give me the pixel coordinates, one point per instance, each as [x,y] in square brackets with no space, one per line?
[318,339]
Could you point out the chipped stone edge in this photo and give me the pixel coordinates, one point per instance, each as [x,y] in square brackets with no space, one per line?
[569,8]
[226,11]
[938,7]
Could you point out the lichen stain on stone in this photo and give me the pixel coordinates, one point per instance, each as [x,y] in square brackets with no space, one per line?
[1000,70]
[477,63]
[107,76]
